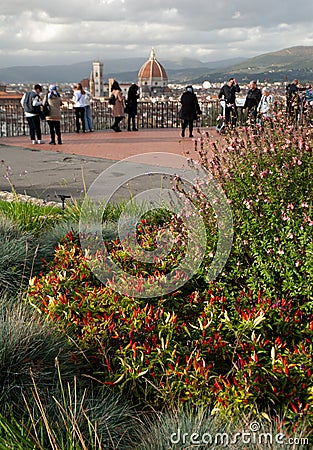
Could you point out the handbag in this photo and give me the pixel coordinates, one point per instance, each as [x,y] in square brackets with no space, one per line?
[45,109]
[112,100]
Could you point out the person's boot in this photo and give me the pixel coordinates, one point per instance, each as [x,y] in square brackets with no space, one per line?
[134,126]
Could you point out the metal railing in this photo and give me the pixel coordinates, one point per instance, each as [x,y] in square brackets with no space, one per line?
[153,114]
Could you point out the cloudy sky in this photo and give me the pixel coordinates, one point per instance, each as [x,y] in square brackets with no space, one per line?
[40,32]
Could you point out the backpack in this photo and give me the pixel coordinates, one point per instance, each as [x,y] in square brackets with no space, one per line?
[45,109]
[112,100]
[28,103]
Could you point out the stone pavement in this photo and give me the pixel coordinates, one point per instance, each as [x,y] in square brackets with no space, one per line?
[47,171]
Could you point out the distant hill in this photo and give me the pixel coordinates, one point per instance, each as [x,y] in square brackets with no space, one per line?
[125,70]
[282,65]
[300,58]
[286,64]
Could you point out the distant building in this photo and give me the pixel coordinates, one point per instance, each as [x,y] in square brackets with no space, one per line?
[97,79]
[85,83]
[123,86]
[9,97]
[92,84]
[152,78]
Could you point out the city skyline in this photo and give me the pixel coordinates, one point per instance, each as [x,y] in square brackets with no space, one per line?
[40,33]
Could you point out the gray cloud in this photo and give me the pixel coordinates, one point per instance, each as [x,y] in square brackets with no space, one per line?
[63,32]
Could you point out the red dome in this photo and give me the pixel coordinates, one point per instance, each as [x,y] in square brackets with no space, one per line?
[152,69]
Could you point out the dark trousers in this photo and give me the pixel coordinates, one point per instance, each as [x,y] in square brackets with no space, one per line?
[189,124]
[80,116]
[131,120]
[251,115]
[34,127]
[231,115]
[55,129]
[117,120]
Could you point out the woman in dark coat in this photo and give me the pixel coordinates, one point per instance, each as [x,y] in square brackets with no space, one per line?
[190,110]
[131,106]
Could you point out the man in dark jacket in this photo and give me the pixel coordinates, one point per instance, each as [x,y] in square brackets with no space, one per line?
[293,98]
[228,93]
[190,110]
[252,100]
[31,103]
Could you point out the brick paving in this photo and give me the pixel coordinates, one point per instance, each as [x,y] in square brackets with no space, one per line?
[47,171]
[115,146]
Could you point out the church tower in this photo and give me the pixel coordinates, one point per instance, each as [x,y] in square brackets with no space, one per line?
[92,84]
[97,69]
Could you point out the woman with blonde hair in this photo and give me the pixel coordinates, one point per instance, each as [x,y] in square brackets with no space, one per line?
[79,106]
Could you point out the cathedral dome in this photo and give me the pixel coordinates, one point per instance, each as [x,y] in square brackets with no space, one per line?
[152,77]
[152,69]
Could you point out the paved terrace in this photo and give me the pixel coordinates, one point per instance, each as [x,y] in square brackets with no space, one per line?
[46,171]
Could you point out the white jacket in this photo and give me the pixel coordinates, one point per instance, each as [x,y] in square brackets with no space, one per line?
[78,99]
[266,105]
[88,97]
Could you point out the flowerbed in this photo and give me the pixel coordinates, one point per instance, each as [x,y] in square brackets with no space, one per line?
[242,343]
[248,354]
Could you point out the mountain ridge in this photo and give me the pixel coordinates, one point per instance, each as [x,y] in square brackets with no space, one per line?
[112,67]
[287,63]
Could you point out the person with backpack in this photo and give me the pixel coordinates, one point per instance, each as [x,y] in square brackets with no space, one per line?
[31,103]
[265,110]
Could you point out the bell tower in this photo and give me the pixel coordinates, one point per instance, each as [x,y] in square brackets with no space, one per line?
[92,84]
[97,70]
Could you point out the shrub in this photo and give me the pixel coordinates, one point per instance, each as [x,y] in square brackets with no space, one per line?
[197,428]
[28,350]
[267,179]
[17,252]
[242,343]
[239,355]
[70,417]
[29,216]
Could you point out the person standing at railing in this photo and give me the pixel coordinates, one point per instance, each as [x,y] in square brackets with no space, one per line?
[252,101]
[88,118]
[228,93]
[118,106]
[307,103]
[31,103]
[265,110]
[190,110]
[293,99]
[131,106]
[54,118]
[79,107]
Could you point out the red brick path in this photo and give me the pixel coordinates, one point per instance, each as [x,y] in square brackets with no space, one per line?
[116,146]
